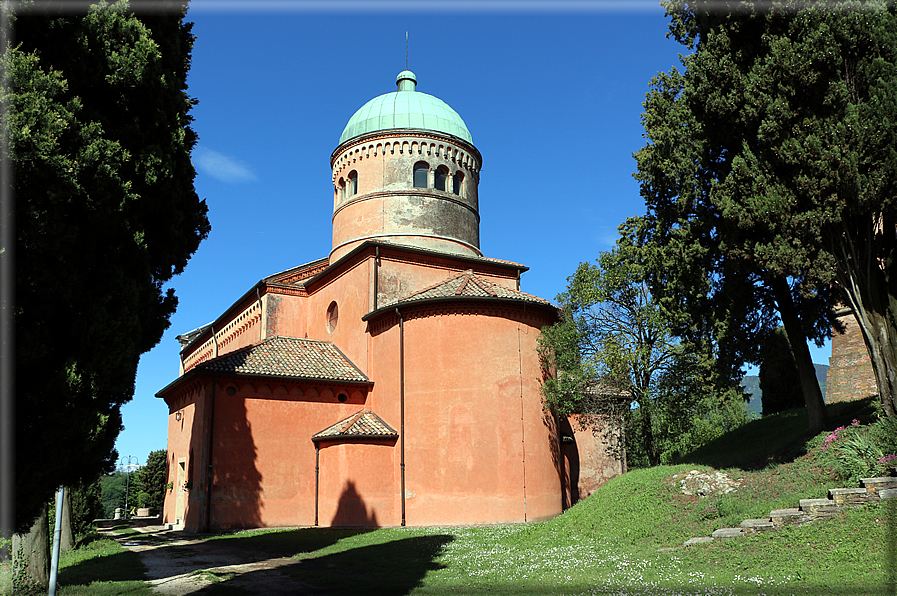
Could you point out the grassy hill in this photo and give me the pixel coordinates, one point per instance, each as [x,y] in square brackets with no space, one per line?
[607,544]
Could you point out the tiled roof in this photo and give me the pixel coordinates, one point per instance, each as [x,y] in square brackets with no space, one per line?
[288,357]
[468,285]
[361,424]
[298,274]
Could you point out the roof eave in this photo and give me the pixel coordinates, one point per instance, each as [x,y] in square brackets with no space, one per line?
[194,372]
[354,436]
[497,299]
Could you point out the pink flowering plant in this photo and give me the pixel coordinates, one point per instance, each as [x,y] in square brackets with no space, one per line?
[856,451]
[839,433]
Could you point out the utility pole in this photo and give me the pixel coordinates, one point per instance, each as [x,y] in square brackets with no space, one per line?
[126,468]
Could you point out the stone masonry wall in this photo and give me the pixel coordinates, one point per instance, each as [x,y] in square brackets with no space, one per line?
[850,373]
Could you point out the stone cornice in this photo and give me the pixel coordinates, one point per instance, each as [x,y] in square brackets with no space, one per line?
[399,134]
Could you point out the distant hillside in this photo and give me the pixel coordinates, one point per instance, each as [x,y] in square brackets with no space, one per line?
[751,386]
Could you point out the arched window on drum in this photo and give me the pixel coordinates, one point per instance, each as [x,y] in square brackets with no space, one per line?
[421,173]
[440,178]
[458,183]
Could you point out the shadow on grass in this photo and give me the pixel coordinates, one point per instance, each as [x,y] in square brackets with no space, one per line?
[391,568]
[775,439]
[281,544]
[114,567]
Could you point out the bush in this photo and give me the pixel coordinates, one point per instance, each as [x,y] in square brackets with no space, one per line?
[855,451]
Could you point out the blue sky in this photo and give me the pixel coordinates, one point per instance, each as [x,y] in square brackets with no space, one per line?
[551,93]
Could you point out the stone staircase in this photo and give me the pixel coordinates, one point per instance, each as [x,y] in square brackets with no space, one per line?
[809,510]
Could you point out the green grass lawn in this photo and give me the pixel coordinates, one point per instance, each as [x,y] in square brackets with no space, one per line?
[607,544]
[98,568]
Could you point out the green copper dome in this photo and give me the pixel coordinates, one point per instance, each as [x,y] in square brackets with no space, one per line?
[405,108]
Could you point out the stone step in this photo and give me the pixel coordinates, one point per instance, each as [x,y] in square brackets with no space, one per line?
[887,493]
[843,496]
[698,540]
[879,483]
[727,533]
[853,497]
[812,505]
[792,515]
[757,525]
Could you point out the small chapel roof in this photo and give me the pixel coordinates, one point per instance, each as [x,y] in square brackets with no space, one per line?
[363,424]
[291,357]
[469,285]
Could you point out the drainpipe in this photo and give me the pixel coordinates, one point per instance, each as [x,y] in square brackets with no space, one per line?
[402,408]
[211,437]
[376,276]
[317,469]
[522,421]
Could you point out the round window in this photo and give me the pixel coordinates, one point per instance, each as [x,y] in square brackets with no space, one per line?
[332,316]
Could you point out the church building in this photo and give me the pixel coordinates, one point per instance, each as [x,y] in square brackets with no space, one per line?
[394,381]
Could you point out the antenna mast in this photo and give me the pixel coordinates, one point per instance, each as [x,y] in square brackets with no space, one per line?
[406,50]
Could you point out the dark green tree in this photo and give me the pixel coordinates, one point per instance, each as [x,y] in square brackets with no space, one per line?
[779,381]
[105,213]
[788,111]
[796,107]
[151,480]
[113,492]
[87,505]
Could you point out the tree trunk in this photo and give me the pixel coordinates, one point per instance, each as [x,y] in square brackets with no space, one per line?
[66,539]
[881,343]
[866,276]
[816,413]
[648,437]
[878,323]
[31,555]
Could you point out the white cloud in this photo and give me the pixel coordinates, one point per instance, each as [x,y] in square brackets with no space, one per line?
[221,167]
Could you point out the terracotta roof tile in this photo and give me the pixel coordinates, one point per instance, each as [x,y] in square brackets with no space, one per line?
[362,424]
[288,357]
[467,284]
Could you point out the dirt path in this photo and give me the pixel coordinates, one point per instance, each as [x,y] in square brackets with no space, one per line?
[178,565]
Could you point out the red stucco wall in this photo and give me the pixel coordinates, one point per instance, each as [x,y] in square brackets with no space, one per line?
[479,447]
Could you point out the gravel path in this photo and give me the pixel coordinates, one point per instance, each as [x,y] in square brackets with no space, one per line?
[178,564]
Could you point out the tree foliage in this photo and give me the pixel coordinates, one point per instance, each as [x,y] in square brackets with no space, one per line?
[810,108]
[106,213]
[615,355]
[151,480]
[779,381]
[118,490]
[771,164]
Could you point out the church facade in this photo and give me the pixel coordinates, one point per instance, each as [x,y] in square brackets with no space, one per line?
[394,382]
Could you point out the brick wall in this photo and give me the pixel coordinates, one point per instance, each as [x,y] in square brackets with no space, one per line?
[850,373]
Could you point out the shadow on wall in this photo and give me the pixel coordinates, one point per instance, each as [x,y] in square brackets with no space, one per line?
[236,481]
[352,510]
[569,464]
